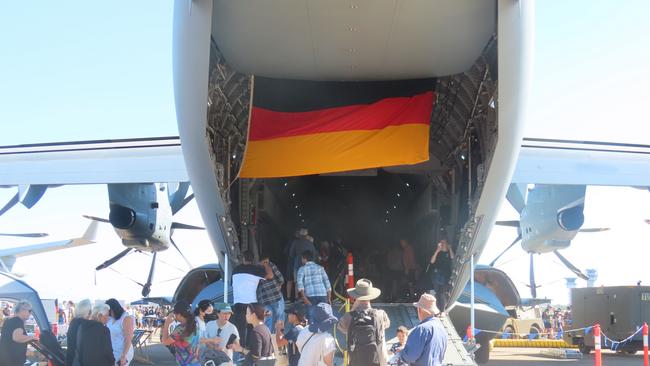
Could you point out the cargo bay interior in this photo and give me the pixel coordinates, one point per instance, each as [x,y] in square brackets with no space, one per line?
[369,210]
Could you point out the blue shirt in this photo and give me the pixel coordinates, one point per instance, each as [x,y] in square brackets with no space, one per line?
[291,335]
[426,344]
[313,280]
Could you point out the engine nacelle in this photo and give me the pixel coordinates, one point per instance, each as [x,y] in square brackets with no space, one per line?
[121,217]
[571,219]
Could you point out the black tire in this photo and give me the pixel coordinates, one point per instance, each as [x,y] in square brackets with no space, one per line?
[535,330]
[585,350]
[631,351]
[510,330]
[482,355]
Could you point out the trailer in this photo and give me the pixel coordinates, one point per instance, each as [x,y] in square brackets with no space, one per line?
[620,311]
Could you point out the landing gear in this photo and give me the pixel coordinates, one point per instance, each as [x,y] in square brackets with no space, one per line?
[584,349]
[482,355]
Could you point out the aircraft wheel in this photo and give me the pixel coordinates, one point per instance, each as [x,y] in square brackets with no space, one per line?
[585,350]
[482,355]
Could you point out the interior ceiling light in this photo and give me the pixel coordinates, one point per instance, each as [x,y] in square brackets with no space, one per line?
[398,195]
[394,206]
[285,184]
[407,184]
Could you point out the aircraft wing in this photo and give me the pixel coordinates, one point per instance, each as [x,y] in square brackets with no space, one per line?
[550,161]
[7,256]
[145,160]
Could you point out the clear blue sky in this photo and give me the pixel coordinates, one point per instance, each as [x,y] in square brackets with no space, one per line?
[81,70]
[78,70]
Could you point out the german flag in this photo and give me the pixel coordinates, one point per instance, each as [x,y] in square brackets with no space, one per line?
[313,127]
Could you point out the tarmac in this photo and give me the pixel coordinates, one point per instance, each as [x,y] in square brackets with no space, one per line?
[157,354]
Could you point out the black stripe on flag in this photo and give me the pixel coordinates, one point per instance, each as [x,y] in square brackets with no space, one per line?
[284,95]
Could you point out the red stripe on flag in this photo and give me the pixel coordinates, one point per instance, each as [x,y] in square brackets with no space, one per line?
[267,124]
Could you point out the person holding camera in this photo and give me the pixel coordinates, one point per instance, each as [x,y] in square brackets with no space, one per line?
[441,263]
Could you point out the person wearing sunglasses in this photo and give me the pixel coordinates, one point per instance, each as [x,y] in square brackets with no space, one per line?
[14,338]
[223,329]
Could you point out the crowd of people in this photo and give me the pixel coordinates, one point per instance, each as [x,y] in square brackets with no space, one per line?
[98,334]
[305,337]
[399,267]
[256,329]
[556,320]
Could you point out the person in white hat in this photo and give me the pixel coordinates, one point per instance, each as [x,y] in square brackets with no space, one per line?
[365,327]
[427,342]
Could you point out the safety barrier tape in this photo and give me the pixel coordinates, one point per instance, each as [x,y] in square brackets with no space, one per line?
[530,336]
[614,345]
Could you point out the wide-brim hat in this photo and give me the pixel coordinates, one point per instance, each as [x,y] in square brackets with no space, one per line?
[427,302]
[364,290]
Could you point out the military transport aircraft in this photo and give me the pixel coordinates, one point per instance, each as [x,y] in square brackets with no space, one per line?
[321,113]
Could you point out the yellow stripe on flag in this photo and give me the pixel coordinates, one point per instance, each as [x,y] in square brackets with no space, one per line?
[336,151]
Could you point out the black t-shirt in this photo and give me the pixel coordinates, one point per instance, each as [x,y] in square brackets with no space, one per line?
[443,263]
[12,353]
[259,344]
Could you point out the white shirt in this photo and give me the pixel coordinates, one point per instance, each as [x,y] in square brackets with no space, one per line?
[245,279]
[212,328]
[200,326]
[315,349]
[116,327]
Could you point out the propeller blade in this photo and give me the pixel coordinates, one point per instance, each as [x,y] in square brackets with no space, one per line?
[186,200]
[570,266]
[179,225]
[508,248]
[594,230]
[146,289]
[113,260]
[26,235]
[94,218]
[533,285]
[181,253]
[12,202]
[125,276]
[511,223]
[177,199]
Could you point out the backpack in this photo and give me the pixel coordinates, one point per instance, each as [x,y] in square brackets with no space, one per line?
[363,338]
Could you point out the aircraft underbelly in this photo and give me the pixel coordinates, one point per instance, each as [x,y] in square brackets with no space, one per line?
[360,40]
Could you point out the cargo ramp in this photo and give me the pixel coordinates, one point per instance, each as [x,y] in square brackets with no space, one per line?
[406,315]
